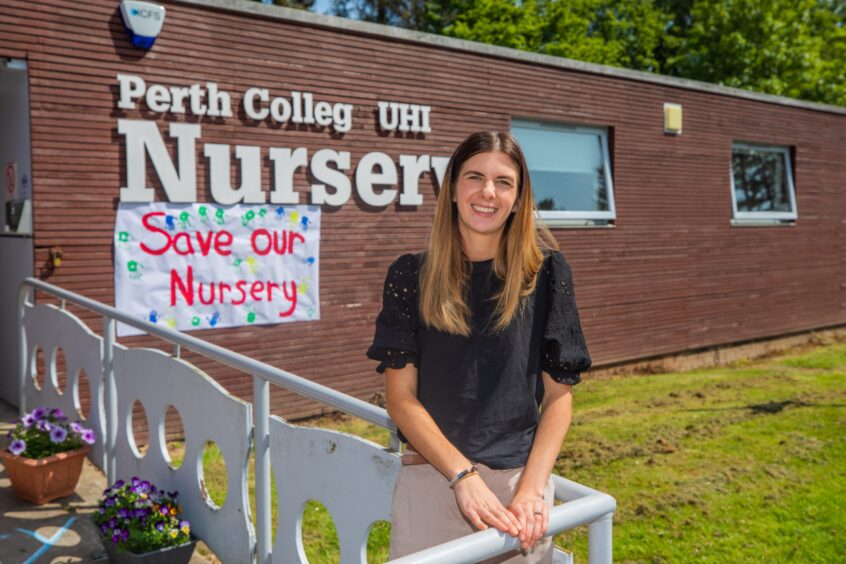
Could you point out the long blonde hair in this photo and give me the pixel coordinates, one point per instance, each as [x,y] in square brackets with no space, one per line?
[445,272]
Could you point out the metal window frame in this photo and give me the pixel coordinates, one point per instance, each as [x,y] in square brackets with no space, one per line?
[752,216]
[564,218]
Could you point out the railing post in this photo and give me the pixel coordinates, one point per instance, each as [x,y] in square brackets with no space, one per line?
[599,540]
[111,398]
[23,353]
[395,444]
[261,414]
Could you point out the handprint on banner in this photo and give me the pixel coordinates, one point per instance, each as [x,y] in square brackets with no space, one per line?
[135,268]
[184,220]
[204,215]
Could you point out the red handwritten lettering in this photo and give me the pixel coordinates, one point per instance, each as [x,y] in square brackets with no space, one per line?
[222,242]
[240,287]
[182,243]
[186,288]
[292,298]
[145,221]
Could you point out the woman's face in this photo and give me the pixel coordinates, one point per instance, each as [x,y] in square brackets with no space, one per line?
[486,193]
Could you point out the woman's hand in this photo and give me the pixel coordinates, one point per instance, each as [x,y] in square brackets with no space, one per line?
[479,504]
[533,514]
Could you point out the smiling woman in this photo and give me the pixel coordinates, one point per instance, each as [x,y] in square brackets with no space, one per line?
[486,196]
[481,343]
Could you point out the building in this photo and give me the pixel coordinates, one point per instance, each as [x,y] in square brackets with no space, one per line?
[692,215]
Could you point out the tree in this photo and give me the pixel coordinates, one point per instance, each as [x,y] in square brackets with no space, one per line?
[773,46]
[411,14]
[300,4]
[624,33]
[793,48]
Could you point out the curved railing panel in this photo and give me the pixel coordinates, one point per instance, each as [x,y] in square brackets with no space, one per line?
[209,414]
[354,478]
[50,329]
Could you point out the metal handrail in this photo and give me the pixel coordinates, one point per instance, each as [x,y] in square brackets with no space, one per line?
[583,504]
[312,390]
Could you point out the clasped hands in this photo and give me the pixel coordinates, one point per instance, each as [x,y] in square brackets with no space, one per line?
[526,517]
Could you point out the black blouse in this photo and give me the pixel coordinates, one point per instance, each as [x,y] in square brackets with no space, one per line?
[484,390]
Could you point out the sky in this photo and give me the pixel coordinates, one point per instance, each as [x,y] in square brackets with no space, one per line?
[322,6]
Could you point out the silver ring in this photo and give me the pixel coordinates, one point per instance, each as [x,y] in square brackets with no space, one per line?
[538,512]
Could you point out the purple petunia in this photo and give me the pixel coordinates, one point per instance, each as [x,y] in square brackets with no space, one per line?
[76,427]
[17,447]
[43,425]
[58,414]
[28,421]
[39,413]
[58,434]
[88,436]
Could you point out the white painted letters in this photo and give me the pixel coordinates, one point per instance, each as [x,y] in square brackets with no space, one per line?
[322,172]
[142,139]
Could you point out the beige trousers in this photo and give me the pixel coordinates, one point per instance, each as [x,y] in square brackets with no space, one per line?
[425,513]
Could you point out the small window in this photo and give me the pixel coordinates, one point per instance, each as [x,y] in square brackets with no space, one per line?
[762,182]
[570,170]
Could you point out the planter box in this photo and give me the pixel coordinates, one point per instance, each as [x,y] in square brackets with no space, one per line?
[170,555]
[39,480]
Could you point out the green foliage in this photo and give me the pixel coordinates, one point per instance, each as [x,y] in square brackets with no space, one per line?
[299,4]
[623,33]
[139,518]
[793,48]
[500,22]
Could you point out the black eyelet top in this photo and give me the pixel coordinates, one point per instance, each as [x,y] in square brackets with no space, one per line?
[484,390]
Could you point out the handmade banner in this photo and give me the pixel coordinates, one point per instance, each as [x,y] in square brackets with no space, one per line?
[198,266]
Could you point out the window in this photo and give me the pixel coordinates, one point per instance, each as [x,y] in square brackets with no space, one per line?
[762,182]
[570,170]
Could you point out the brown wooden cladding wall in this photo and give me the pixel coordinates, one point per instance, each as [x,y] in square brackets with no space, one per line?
[672,275]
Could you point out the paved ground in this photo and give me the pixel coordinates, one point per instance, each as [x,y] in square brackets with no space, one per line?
[59,532]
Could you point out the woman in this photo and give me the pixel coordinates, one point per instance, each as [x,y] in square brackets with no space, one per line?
[481,342]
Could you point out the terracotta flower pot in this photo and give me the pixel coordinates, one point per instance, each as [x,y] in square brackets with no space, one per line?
[39,480]
[169,555]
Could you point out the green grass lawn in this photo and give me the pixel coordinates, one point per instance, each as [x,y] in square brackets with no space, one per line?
[745,463]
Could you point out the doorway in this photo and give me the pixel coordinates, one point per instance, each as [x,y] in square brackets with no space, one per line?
[16,244]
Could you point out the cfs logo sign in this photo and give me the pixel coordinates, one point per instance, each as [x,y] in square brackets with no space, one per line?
[143,21]
[146,13]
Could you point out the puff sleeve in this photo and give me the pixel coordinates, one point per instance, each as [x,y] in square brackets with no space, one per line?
[395,341]
[565,354]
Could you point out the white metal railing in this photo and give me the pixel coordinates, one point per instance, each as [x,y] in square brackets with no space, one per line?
[309,463]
